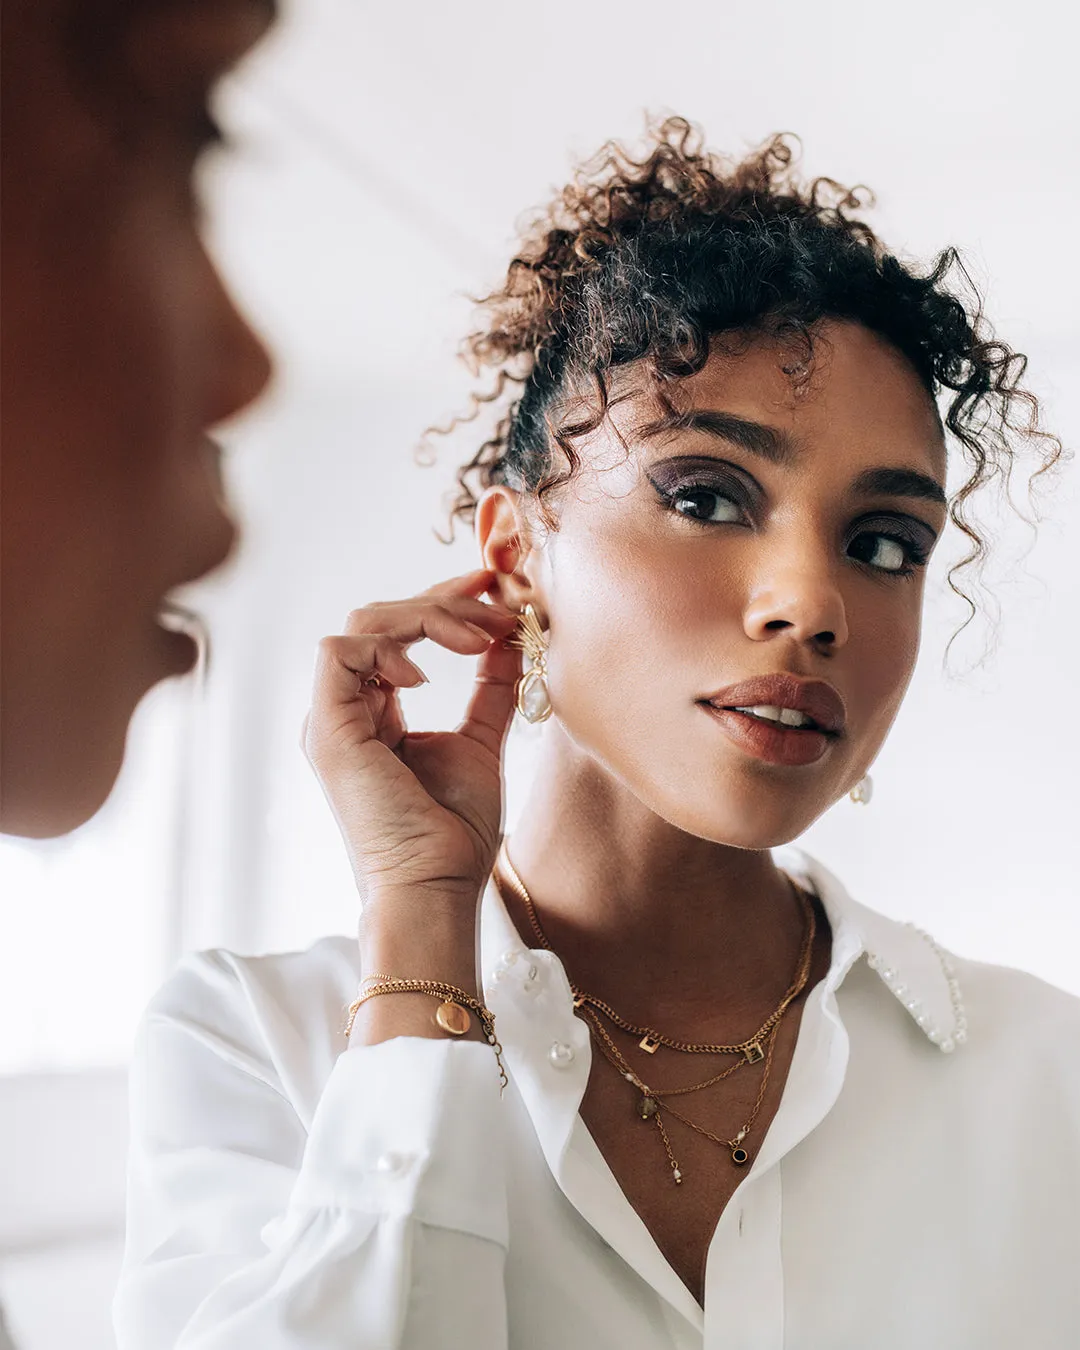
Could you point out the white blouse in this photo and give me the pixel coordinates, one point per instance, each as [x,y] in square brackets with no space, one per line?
[287,1191]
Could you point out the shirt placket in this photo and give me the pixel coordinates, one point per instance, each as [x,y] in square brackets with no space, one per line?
[744,1274]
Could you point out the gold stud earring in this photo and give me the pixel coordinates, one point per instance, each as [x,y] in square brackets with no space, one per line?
[531,695]
[862,792]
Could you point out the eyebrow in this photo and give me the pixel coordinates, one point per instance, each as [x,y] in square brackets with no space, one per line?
[766,442]
[899,483]
[778,447]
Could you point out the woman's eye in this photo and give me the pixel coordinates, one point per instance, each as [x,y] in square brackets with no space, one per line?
[881,551]
[701,504]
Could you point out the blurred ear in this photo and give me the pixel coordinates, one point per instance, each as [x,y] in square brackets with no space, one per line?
[502,533]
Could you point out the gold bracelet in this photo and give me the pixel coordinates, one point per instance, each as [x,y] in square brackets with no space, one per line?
[451,1016]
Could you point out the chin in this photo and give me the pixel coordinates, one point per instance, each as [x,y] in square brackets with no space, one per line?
[39,805]
[64,753]
[737,813]
[735,831]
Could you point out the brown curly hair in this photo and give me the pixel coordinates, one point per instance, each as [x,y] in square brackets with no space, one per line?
[652,258]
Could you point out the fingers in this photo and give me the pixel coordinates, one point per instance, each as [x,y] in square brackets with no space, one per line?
[491,705]
[358,673]
[459,623]
[480,582]
[345,664]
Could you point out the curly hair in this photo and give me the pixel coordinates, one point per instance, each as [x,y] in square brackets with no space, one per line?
[652,259]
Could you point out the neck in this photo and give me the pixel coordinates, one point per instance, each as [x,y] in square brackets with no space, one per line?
[640,911]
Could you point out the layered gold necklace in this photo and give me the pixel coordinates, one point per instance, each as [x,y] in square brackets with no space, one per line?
[653,1102]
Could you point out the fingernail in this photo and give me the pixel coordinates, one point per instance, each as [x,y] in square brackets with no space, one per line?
[478,631]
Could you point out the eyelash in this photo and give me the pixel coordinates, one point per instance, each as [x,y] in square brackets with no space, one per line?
[916,555]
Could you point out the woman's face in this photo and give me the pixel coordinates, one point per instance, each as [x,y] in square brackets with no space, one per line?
[122,348]
[778,535]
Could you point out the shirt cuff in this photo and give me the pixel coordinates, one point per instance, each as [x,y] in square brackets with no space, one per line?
[411,1127]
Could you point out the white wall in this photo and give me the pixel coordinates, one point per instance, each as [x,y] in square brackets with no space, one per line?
[62,1146]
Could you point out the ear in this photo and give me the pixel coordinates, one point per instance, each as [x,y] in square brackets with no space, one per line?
[503,536]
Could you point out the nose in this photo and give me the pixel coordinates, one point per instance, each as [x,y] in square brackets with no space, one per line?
[800,598]
[243,367]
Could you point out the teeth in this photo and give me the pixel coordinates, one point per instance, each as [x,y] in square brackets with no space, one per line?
[768,711]
[787,717]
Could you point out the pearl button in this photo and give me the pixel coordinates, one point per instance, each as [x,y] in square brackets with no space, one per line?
[561,1054]
[389,1164]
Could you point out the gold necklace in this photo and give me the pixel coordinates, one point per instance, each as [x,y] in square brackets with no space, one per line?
[653,1100]
[651,1040]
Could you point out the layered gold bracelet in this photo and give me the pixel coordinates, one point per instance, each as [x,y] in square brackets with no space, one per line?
[451,1016]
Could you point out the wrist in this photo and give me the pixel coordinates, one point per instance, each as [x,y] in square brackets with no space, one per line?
[444,902]
[416,1014]
[411,937]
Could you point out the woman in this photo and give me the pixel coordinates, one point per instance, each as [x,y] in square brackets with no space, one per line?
[738,1108]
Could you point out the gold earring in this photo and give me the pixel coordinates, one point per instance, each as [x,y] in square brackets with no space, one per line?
[862,792]
[531,695]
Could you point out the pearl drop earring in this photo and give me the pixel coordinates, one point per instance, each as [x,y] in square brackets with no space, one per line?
[863,791]
[532,699]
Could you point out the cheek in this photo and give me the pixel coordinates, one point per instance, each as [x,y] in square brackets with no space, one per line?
[880,658]
[628,654]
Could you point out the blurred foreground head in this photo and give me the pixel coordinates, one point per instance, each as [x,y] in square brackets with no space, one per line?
[121,349]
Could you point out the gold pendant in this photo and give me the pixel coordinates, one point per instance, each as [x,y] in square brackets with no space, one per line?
[649,1045]
[649,1107]
[739,1155]
[753,1053]
[452,1017]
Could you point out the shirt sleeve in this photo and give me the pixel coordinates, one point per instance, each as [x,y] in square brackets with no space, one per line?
[382,1223]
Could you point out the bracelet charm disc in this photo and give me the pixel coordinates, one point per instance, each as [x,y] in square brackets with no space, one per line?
[452,1017]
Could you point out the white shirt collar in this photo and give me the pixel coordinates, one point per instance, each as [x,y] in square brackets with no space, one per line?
[908,961]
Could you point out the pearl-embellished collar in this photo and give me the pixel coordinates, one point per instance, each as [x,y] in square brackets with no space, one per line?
[908,961]
[919,973]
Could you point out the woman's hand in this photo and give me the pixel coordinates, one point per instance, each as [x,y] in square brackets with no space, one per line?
[419,811]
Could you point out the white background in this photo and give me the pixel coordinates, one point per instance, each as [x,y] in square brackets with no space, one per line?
[383,155]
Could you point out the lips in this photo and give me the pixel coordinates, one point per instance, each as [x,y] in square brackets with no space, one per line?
[814,698]
[771,741]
